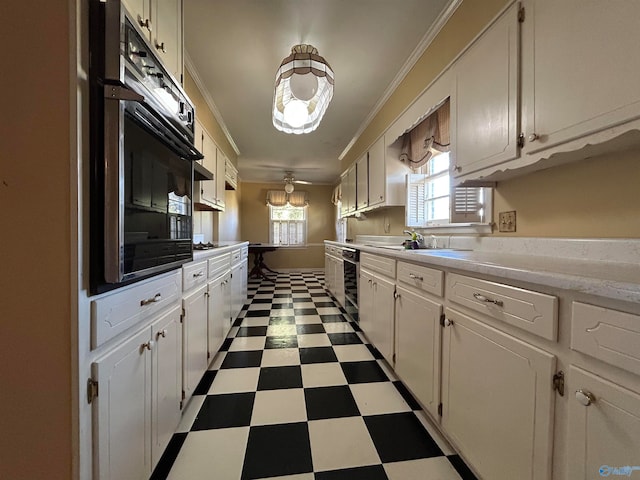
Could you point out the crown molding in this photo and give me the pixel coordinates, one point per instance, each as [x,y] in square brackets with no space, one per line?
[427,39]
[189,65]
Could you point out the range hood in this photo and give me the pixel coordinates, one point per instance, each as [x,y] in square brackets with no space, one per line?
[201,173]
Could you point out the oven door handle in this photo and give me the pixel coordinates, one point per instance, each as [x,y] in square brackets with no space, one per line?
[119,92]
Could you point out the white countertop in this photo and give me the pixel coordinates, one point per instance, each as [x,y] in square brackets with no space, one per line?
[223,247]
[562,263]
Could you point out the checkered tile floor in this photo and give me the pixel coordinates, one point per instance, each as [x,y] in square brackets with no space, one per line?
[297,392]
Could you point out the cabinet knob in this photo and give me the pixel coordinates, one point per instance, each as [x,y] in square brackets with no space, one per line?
[415,277]
[448,323]
[533,137]
[160,46]
[162,333]
[147,346]
[585,397]
[457,168]
[146,23]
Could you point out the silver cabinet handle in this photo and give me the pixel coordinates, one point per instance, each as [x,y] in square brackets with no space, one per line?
[161,333]
[533,137]
[146,23]
[457,168]
[482,298]
[199,274]
[448,323]
[160,46]
[416,277]
[585,397]
[396,295]
[155,299]
[147,346]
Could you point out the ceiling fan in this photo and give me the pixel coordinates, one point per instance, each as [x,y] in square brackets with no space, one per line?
[289,180]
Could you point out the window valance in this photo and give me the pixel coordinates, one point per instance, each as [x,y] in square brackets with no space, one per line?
[279,198]
[428,137]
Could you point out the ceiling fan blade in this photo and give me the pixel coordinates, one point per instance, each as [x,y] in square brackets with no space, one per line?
[302,182]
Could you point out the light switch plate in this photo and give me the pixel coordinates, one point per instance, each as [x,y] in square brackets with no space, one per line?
[507,221]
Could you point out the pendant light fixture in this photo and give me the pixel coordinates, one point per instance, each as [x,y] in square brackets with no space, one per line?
[303,90]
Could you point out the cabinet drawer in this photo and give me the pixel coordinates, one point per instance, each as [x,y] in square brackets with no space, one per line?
[420,277]
[193,275]
[531,311]
[115,313]
[377,263]
[218,264]
[236,256]
[608,335]
[244,253]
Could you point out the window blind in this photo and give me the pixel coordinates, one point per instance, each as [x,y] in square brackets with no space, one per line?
[415,211]
[467,205]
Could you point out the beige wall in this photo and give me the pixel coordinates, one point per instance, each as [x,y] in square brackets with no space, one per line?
[254,224]
[38,185]
[598,197]
[386,221]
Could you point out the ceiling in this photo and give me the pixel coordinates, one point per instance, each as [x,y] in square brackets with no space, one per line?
[236,46]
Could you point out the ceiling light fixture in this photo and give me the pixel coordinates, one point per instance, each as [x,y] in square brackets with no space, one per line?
[304,88]
[289,188]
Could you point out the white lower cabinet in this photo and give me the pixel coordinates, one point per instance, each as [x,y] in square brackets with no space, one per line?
[498,400]
[138,406]
[418,337]
[194,331]
[376,311]
[218,312]
[604,427]
[238,289]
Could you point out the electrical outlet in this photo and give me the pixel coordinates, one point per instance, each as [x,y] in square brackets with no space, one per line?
[507,221]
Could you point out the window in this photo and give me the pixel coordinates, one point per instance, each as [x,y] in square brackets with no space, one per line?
[431,202]
[288,225]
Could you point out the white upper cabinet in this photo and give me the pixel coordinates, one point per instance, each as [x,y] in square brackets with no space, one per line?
[161,21]
[378,180]
[166,37]
[362,182]
[377,173]
[580,72]
[485,99]
[209,194]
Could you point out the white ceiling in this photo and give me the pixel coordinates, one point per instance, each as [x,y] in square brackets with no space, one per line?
[236,46]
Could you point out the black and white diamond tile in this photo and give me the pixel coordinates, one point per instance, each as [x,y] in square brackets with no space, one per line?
[296,391]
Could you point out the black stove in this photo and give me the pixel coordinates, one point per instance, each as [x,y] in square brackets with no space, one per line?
[205,246]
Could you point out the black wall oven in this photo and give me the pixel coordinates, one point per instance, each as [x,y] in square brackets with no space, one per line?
[142,152]
[351,264]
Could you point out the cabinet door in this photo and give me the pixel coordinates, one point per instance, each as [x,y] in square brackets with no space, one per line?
[217,320]
[194,335]
[221,161]
[338,275]
[344,203]
[604,434]
[122,411]
[383,317]
[236,291]
[167,34]
[418,335]
[328,272]
[167,381]
[350,193]
[365,303]
[362,182]
[208,187]
[497,400]
[377,173]
[141,12]
[580,75]
[485,101]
